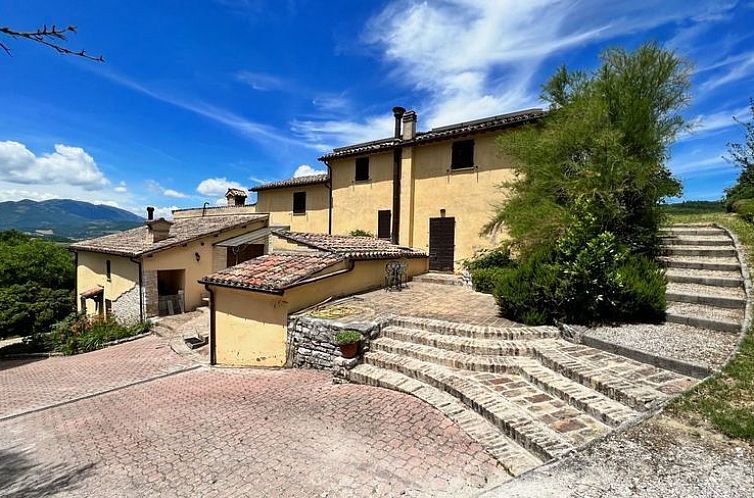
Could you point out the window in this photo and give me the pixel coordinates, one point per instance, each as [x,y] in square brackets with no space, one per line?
[383,224]
[299,202]
[362,169]
[463,155]
[109,274]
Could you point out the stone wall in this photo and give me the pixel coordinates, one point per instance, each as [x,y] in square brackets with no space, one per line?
[311,341]
[151,301]
[126,307]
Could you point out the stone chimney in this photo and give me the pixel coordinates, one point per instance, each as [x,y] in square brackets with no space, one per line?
[236,197]
[398,114]
[158,230]
[409,125]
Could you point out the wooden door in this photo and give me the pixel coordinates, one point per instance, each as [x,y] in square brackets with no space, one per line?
[442,243]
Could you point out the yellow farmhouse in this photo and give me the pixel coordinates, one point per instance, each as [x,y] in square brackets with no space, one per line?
[431,190]
[154,269]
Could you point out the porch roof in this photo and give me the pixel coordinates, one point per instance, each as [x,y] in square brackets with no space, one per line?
[93,292]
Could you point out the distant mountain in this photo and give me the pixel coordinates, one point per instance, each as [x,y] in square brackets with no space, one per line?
[65,219]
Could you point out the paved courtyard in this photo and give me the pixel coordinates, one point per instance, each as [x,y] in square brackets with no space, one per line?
[221,432]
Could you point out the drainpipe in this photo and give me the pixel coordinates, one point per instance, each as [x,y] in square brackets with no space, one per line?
[141,291]
[329,188]
[212,352]
[397,156]
[76,298]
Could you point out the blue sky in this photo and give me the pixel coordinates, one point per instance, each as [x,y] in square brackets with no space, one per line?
[196,96]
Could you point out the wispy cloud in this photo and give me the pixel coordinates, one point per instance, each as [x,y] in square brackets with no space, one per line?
[257,131]
[261,81]
[157,188]
[742,67]
[703,125]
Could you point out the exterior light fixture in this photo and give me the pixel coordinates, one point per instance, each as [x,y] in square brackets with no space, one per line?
[197,256]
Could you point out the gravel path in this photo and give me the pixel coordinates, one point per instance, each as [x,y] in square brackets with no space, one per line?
[671,340]
[659,458]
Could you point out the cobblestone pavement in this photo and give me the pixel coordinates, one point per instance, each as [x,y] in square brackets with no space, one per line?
[32,384]
[437,301]
[222,432]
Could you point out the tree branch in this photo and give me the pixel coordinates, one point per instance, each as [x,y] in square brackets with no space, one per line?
[48,36]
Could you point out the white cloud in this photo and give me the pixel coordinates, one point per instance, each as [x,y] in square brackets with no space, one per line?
[306,170]
[67,165]
[742,67]
[122,188]
[261,81]
[174,194]
[324,135]
[704,124]
[164,212]
[157,188]
[217,187]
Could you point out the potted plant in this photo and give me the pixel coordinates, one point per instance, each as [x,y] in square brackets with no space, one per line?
[348,342]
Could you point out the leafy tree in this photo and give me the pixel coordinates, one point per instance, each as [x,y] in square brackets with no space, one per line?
[605,141]
[742,155]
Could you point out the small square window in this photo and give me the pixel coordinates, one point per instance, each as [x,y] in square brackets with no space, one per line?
[463,155]
[109,273]
[299,202]
[362,169]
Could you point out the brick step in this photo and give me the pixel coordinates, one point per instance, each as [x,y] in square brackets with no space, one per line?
[721,297]
[514,421]
[719,278]
[706,251]
[514,458]
[458,343]
[704,231]
[475,331]
[702,263]
[697,240]
[705,316]
[602,377]
[439,278]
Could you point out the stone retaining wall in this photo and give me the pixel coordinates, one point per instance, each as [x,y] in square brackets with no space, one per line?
[311,341]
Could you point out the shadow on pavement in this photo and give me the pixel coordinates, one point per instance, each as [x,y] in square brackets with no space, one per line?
[21,477]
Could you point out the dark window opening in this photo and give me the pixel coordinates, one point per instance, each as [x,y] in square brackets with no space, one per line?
[463,154]
[362,169]
[299,202]
[237,255]
[109,273]
[383,224]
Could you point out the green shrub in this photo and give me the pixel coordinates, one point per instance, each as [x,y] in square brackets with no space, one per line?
[485,279]
[528,292]
[347,337]
[361,233]
[80,333]
[745,209]
[496,258]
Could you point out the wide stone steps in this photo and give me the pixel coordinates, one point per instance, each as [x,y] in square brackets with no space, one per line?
[705,284]
[722,297]
[475,331]
[458,343]
[439,279]
[634,394]
[514,421]
[583,398]
[515,459]
[719,278]
[705,316]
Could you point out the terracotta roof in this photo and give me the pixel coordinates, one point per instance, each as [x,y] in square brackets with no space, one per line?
[293,182]
[442,133]
[134,242]
[350,246]
[274,272]
[235,192]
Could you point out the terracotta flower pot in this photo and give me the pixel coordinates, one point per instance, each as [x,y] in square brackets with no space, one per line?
[349,350]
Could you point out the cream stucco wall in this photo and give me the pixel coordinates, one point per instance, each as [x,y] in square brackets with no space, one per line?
[279,203]
[91,271]
[466,195]
[355,204]
[251,327]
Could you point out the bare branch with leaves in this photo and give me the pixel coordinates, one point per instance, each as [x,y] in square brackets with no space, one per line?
[49,37]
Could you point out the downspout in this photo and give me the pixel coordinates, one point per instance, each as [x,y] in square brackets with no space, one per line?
[397,156]
[329,189]
[141,291]
[77,298]
[212,349]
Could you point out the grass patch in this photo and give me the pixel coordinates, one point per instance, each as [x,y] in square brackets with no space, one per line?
[694,207]
[726,401]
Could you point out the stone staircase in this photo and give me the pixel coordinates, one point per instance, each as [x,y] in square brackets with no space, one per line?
[705,283]
[523,392]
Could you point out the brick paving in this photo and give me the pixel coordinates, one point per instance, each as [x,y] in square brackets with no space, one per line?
[32,384]
[441,302]
[230,432]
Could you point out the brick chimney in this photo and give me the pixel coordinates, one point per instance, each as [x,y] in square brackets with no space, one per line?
[409,125]
[158,230]
[236,197]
